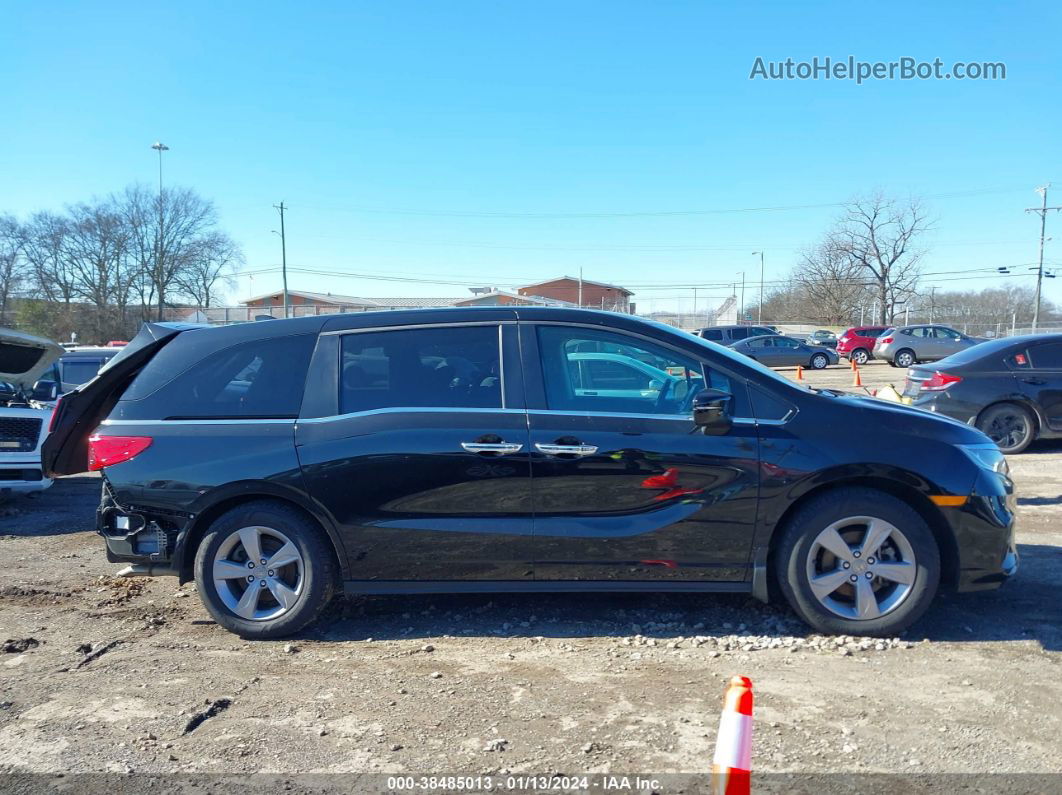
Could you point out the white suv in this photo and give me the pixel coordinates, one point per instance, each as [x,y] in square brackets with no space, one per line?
[25,409]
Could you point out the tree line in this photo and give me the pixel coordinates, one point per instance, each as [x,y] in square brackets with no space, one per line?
[102,267]
[867,268]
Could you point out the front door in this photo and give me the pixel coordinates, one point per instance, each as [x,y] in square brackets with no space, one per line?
[625,485]
[789,353]
[423,463]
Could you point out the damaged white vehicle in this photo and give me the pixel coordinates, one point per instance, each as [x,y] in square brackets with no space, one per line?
[26,405]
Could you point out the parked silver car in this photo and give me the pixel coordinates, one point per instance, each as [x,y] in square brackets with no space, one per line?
[778,351]
[903,346]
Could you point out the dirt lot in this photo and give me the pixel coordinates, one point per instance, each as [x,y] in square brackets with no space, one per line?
[114,675]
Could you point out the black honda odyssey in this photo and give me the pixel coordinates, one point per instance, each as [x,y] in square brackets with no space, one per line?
[522,449]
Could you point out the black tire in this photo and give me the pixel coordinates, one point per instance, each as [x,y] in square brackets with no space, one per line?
[860,356]
[820,361]
[1010,426]
[319,575]
[798,539]
[905,358]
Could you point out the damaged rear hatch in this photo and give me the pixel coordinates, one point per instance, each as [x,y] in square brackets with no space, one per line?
[79,412]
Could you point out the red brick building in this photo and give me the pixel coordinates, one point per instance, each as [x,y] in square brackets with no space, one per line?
[596,295]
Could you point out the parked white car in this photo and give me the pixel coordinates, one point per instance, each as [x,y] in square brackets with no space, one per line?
[25,409]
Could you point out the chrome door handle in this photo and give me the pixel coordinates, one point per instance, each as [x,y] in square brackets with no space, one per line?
[500,448]
[566,449]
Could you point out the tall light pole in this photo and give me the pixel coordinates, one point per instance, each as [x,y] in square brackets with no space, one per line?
[1042,210]
[759,309]
[159,147]
[283,255]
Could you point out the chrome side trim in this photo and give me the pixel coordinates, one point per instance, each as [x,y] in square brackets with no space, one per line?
[628,415]
[410,410]
[200,422]
[408,326]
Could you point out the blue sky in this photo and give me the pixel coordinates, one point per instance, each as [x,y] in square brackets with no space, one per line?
[500,143]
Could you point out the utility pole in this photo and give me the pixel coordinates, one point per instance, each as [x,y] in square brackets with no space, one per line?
[159,147]
[743,296]
[283,256]
[1042,210]
[759,309]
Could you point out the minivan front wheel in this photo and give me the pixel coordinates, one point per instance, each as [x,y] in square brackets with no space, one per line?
[857,561]
[264,570]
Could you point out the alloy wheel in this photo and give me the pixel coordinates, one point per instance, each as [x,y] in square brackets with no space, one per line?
[258,573]
[905,359]
[1008,429]
[819,361]
[861,357]
[861,568]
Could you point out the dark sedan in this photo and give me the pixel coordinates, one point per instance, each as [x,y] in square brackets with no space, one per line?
[1009,388]
[779,351]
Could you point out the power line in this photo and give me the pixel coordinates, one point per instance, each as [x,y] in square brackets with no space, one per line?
[628,214]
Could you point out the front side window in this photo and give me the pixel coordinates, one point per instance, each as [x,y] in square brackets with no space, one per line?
[947,334]
[738,333]
[640,377]
[456,367]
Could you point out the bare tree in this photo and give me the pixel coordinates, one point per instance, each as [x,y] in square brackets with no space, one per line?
[95,250]
[210,263]
[12,262]
[165,232]
[830,285]
[881,236]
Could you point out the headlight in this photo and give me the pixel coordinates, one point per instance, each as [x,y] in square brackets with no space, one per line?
[987,456]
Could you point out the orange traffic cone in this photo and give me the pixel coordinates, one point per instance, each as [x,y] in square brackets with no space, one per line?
[856,379]
[732,765]
[800,373]
[853,364]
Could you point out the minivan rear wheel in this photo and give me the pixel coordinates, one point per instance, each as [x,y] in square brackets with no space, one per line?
[264,570]
[857,561]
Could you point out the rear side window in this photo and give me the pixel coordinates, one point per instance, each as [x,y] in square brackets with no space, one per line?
[738,333]
[454,367]
[260,379]
[1047,357]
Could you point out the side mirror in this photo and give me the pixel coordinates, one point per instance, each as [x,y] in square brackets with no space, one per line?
[45,391]
[711,411]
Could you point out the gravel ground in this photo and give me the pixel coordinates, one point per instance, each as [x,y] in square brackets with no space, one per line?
[99,674]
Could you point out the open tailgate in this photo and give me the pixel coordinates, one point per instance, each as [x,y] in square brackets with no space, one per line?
[80,411]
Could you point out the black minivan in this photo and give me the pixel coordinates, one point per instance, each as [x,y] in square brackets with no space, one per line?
[521,449]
